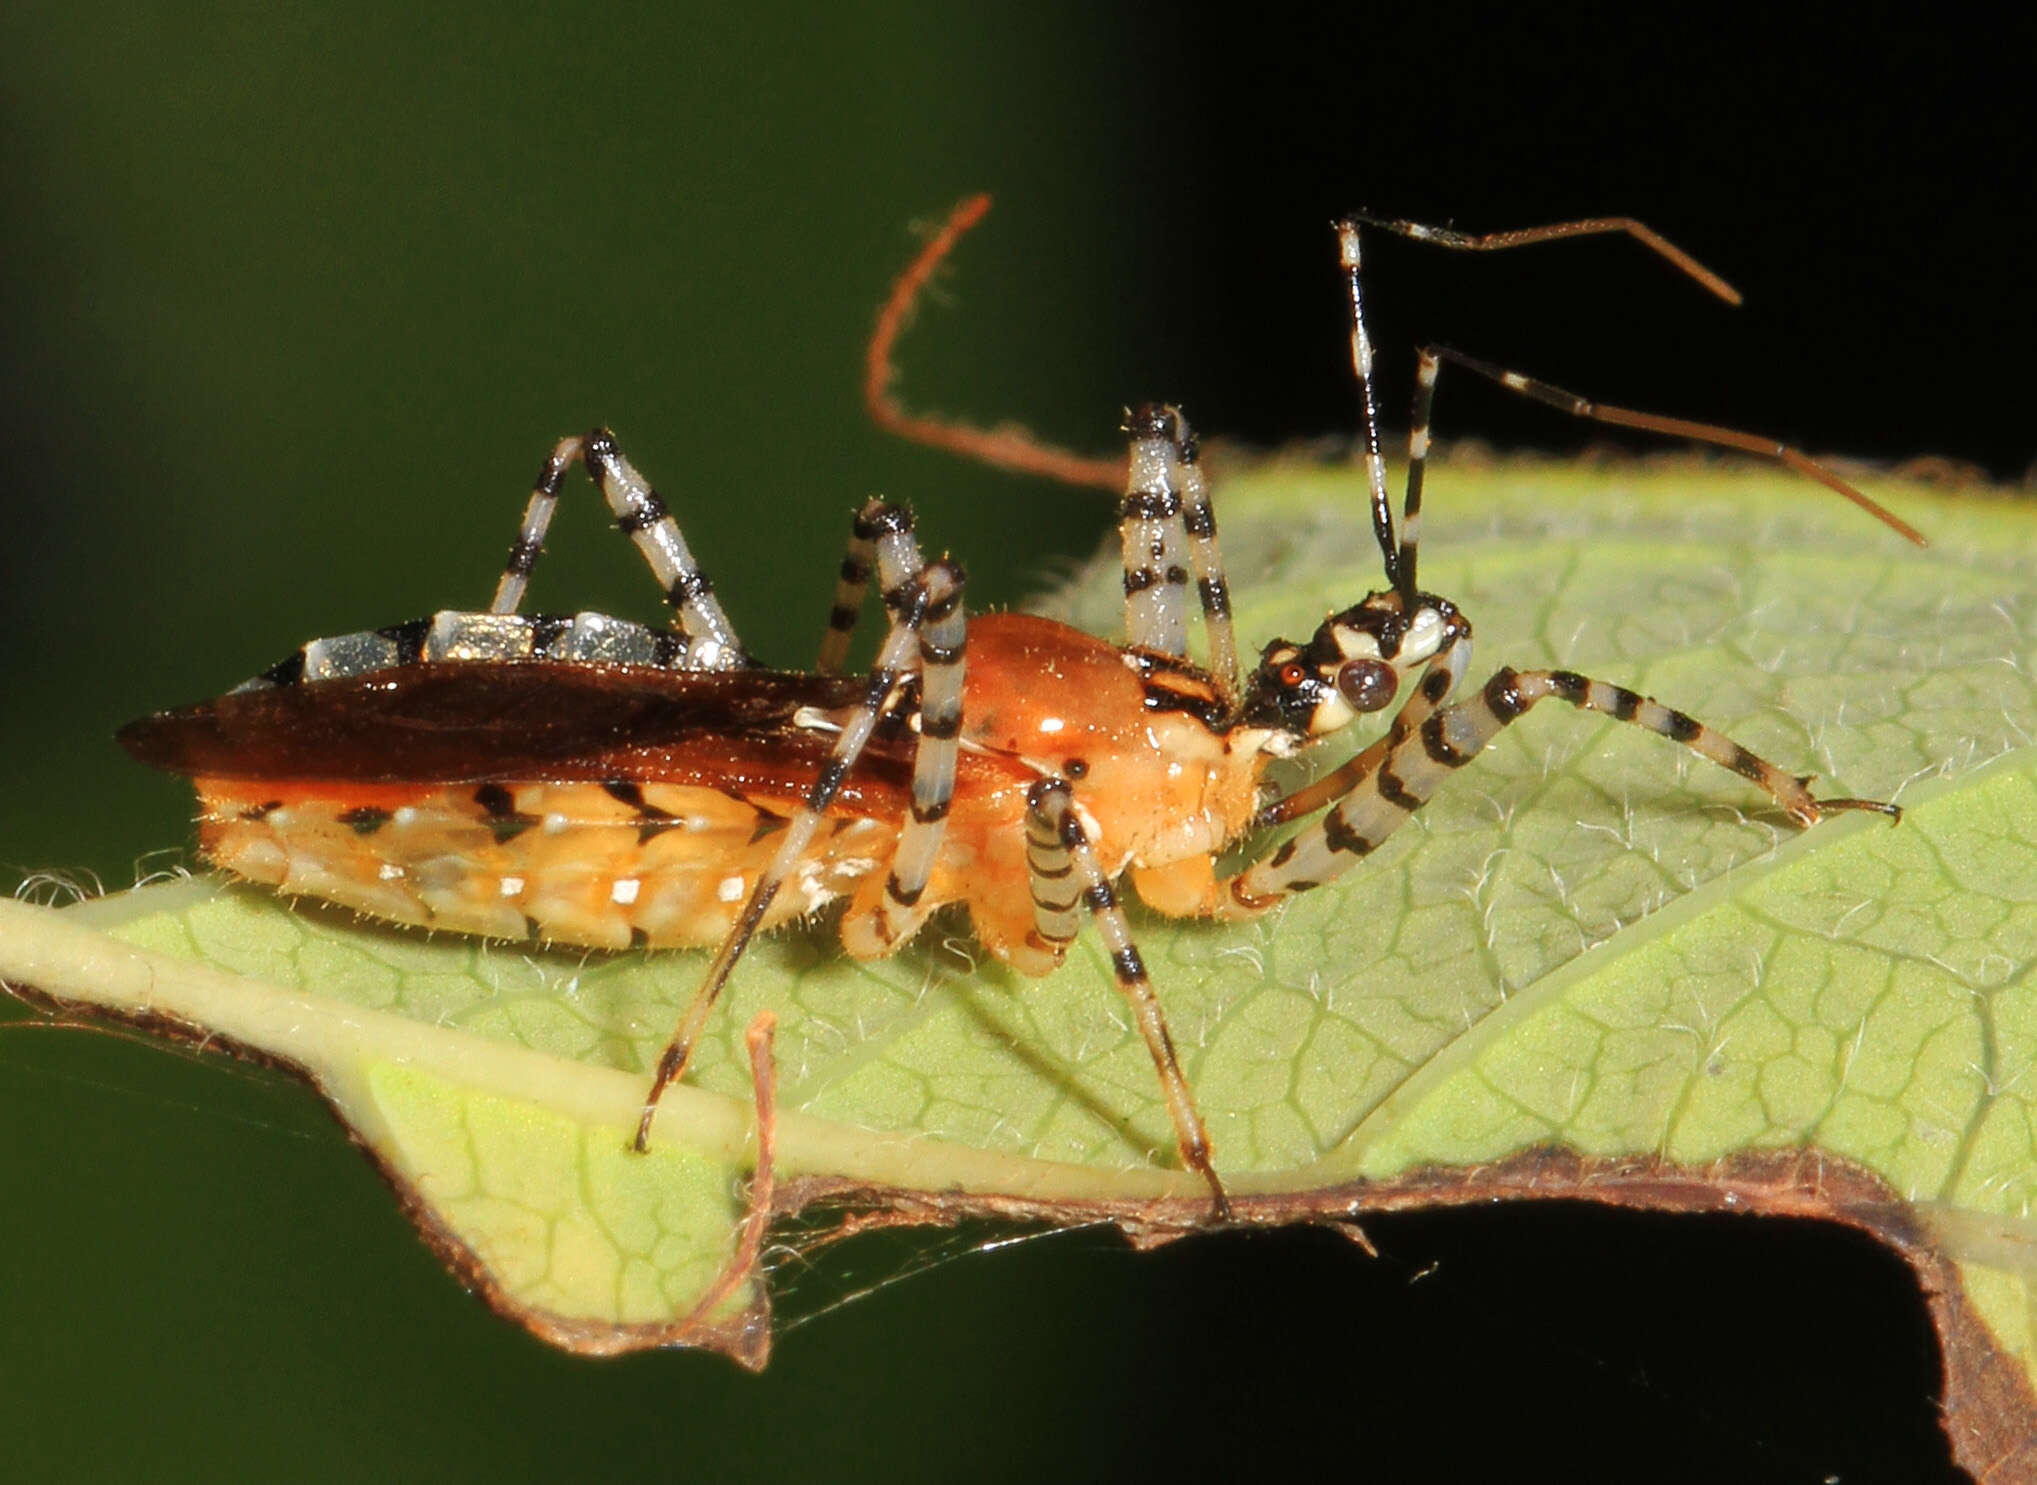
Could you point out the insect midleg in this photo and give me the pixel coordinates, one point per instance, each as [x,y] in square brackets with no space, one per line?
[881,536]
[943,643]
[643,517]
[1199,517]
[934,593]
[1419,758]
[1065,877]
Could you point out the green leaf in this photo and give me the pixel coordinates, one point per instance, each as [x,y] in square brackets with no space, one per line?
[1593,966]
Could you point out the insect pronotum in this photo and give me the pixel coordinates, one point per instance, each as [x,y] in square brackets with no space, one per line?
[587,780]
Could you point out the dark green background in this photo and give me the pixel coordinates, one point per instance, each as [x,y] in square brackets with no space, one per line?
[294,302]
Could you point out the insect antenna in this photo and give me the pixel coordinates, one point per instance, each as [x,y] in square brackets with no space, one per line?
[1398,551]
[1707,433]
[1491,242]
[1006,447]
[1350,257]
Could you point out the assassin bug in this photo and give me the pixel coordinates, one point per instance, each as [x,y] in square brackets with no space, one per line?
[587,780]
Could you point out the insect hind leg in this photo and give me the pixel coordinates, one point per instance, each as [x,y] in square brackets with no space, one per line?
[642,516]
[1152,533]
[1066,877]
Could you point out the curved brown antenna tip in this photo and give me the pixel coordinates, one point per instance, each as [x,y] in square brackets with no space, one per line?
[1728,438]
[1479,242]
[1711,433]
[1005,447]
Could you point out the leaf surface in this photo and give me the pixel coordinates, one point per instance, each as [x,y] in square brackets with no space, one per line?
[1593,965]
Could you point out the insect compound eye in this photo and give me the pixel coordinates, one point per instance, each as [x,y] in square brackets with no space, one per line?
[1292,674]
[1368,684]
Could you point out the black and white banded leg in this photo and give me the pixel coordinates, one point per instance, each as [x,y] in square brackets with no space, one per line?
[1155,539]
[1424,755]
[943,645]
[1165,523]
[935,600]
[881,539]
[1067,879]
[644,518]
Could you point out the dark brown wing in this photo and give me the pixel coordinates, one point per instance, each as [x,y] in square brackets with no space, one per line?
[456,721]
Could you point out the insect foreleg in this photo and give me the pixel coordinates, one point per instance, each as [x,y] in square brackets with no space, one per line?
[1381,801]
[643,517]
[881,538]
[1066,878]
[936,589]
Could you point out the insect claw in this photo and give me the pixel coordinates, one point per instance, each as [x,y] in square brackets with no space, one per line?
[670,1065]
[1880,807]
[1220,1212]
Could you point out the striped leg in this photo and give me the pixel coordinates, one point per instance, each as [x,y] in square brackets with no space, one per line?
[1452,736]
[1066,877]
[1154,536]
[937,591]
[643,517]
[943,640]
[881,536]
[1166,475]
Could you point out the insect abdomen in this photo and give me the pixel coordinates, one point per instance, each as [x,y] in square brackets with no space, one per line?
[604,865]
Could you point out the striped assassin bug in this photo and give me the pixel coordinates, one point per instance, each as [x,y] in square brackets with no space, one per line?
[591,781]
